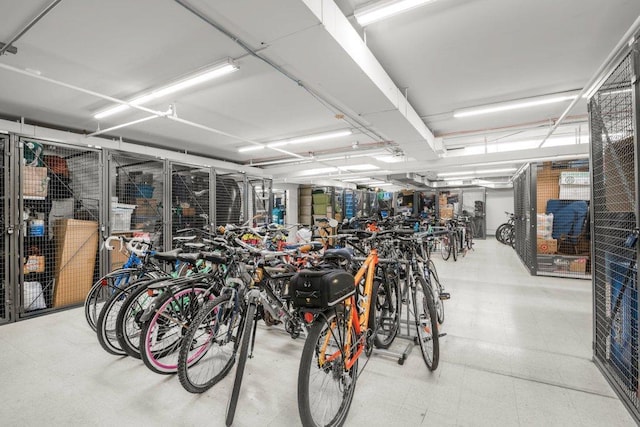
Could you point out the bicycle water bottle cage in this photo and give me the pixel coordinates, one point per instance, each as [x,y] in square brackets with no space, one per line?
[169,256]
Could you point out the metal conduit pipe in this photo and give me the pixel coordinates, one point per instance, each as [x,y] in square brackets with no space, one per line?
[603,72]
[354,121]
[28,27]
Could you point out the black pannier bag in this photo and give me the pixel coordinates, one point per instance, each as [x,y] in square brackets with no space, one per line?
[320,288]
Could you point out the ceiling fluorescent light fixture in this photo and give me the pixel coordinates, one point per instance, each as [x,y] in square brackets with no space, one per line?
[318,171]
[512,105]
[250,148]
[210,73]
[357,179]
[385,9]
[303,139]
[359,168]
[310,138]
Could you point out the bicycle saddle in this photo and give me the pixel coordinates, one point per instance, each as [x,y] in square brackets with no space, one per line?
[344,253]
[168,256]
[191,258]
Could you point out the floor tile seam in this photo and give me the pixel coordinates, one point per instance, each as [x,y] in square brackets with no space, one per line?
[529,379]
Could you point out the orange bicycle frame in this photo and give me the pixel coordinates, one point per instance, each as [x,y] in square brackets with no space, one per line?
[356,320]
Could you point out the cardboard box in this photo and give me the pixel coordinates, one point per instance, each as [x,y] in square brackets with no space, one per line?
[34,264]
[305,200]
[76,248]
[35,183]
[188,211]
[547,246]
[574,178]
[305,219]
[305,210]
[306,191]
[619,176]
[547,188]
[575,192]
[147,207]
[446,212]
[578,265]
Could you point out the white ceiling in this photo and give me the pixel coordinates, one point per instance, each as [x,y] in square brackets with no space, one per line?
[315,74]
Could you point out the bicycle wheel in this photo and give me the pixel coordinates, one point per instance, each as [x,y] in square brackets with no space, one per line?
[469,235]
[162,336]
[242,361]
[128,323]
[454,245]
[325,384]
[445,246]
[106,324]
[426,323]
[102,290]
[386,309]
[499,231]
[436,287]
[210,345]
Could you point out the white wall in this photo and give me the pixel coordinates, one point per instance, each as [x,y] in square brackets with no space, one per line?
[498,201]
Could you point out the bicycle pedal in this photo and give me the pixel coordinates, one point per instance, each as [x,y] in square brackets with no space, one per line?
[442,334]
[444,296]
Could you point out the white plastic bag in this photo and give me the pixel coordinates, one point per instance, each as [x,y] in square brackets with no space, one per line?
[33,296]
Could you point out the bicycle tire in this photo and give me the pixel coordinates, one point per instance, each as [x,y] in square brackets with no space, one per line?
[454,245]
[386,310]
[105,326]
[499,233]
[437,289]
[426,323]
[445,246]
[198,367]
[469,236]
[242,361]
[310,399]
[161,337]
[100,293]
[128,324]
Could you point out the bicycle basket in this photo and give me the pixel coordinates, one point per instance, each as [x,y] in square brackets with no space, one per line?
[320,289]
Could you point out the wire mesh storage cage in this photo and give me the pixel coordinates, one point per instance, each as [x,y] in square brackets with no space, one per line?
[59,210]
[190,197]
[523,195]
[229,198]
[259,200]
[136,188]
[563,232]
[5,199]
[613,111]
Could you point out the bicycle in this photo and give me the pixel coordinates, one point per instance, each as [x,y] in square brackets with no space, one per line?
[342,331]
[505,233]
[228,324]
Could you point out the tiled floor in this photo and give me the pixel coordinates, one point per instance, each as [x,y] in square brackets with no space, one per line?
[517,352]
